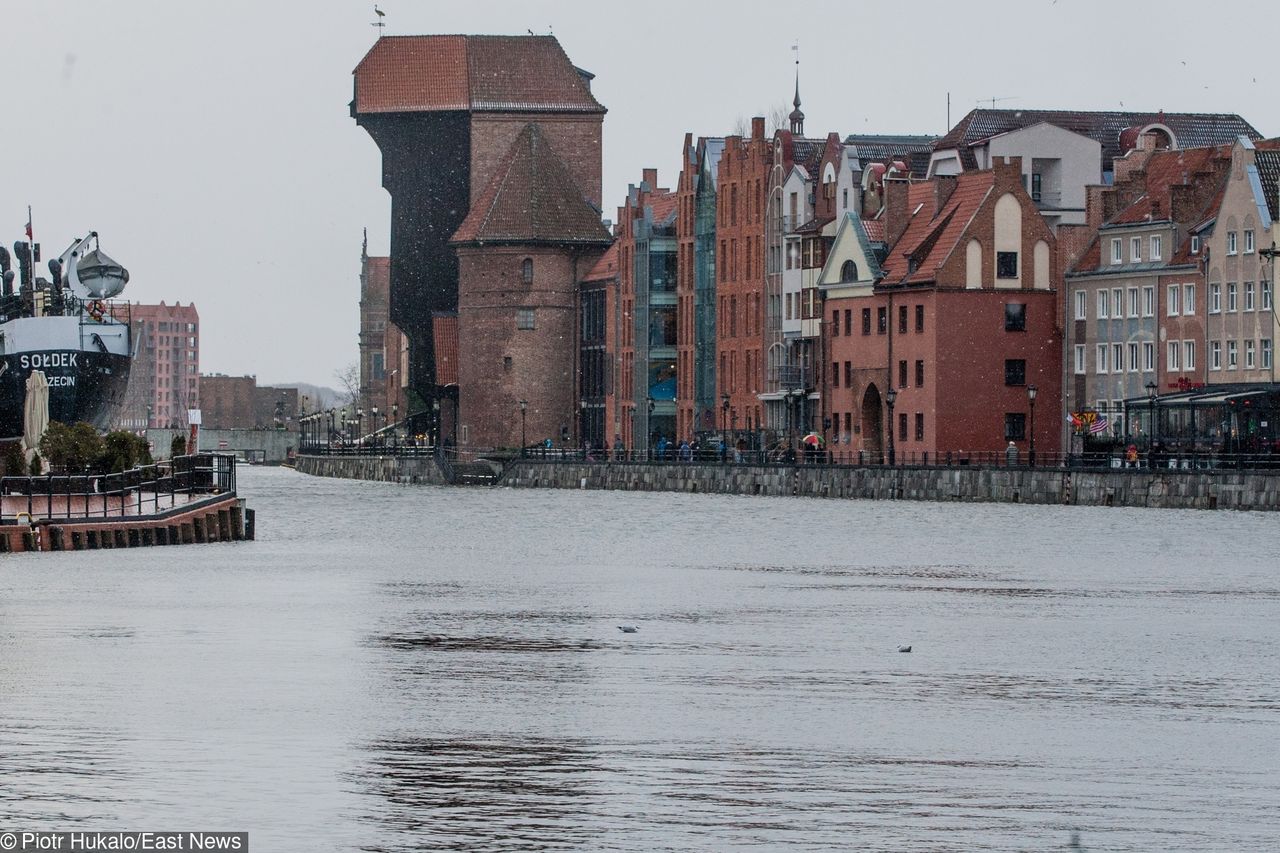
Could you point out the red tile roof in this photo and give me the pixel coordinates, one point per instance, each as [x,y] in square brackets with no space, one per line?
[874,229]
[930,239]
[444,327]
[532,198]
[437,73]
[1165,170]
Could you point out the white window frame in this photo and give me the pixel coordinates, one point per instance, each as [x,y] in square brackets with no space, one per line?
[1157,247]
[1135,250]
[1117,251]
[1082,304]
[1172,300]
[1100,358]
[1195,244]
[1215,298]
[1233,355]
[1189,356]
[1249,300]
[1133,357]
[1079,355]
[1215,355]
[1266,353]
[1134,303]
[1117,358]
[1266,295]
[1188,300]
[1117,303]
[1148,300]
[1104,303]
[1250,354]
[1231,242]
[1148,356]
[1248,241]
[1174,362]
[1233,297]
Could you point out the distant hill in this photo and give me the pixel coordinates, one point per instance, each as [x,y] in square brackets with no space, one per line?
[318,396]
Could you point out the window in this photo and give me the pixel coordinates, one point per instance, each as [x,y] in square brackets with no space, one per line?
[1248,296]
[1215,298]
[835,324]
[1231,296]
[1157,247]
[1116,251]
[1266,353]
[866,321]
[1117,358]
[1135,249]
[1082,305]
[1015,371]
[919,318]
[1080,358]
[1172,308]
[526,271]
[902,319]
[919,373]
[919,426]
[1100,358]
[848,374]
[1006,264]
[1215,355]
[835,374]
[1195,244]
[787,299]
[1149,300]
[882,320]
[1148,356]
[1233,360]
[1175,359]
[1133,357]
[848,271]
[1104,304]
[902,427]
[1231,242]
[1015,317]
[1266,295]
[1248,241]
[1117,303]
[1188,356]
[848,322]
[1133,302]
[524,319]
[902,373]
[1015,426]
[1188,299]
[1248,354]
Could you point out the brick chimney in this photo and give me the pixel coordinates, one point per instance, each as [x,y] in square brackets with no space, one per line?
[1093,205]
[943,187]
[650,179]
[757,127]
[896,214]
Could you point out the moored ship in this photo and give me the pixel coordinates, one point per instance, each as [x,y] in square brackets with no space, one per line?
[66,328]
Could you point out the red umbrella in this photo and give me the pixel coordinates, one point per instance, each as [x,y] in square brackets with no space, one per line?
[813,440]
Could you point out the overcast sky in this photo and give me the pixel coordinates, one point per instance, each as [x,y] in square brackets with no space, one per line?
[210,143]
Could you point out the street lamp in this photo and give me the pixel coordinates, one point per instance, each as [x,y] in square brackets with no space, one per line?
[648,423]
[891,397]
[1152,389]
[524,405]
[395,424]
[1031,402]
[374,414]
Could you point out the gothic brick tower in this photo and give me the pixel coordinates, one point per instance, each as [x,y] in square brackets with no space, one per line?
[446,113]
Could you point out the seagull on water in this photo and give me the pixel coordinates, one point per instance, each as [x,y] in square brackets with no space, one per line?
[628,629]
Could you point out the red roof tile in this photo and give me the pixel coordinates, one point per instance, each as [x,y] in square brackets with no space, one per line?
[874,229]
[532,198]
[606,267]
[929,239]
[1165,170]
[444,327]
[437,73]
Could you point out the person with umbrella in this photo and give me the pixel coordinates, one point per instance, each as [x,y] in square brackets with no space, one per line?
[812,442]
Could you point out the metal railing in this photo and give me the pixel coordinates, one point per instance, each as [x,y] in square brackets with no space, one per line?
[144,492]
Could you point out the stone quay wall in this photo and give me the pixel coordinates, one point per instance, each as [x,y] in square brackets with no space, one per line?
[1116,487]
[386,469]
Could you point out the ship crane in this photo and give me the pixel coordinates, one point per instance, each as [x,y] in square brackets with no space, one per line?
[92,274]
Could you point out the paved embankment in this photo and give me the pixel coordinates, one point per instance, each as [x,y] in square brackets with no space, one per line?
[386,469]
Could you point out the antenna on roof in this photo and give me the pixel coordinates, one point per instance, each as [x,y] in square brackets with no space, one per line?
[993,100]
[380,24]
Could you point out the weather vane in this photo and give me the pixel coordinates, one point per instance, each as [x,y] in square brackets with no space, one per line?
[381,14]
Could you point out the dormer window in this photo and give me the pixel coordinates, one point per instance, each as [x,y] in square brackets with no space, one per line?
[848,272]
[1135,250]
[1157,247]
[1117,251]
[1195,244]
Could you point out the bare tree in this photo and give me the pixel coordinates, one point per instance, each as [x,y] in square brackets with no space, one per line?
[779,118]
[348,384]
[741,127]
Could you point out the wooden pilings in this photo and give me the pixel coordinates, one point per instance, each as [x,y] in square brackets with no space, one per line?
[228,521]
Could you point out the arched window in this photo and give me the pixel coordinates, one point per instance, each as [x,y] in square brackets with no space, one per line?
[848,271]
[526,271]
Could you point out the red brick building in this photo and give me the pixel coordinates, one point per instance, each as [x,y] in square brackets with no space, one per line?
[165,379]
[383,355]
[963,321]
[474,107]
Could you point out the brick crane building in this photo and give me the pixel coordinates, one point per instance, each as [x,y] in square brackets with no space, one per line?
[479,123]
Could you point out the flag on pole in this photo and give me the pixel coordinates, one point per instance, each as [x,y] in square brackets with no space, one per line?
[1099,425]
[29,234]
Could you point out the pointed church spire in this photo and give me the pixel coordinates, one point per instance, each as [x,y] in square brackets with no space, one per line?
[797,117]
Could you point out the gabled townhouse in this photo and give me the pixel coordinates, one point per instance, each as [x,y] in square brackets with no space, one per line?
[960,327]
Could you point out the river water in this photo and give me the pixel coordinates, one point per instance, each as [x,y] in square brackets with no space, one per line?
[399,668]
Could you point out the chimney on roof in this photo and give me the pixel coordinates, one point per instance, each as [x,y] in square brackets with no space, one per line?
[650,180]
[1155,209]
[943,187]
[757,127]
[896,216]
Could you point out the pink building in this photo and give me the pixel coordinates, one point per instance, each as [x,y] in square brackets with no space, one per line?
[165,379]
